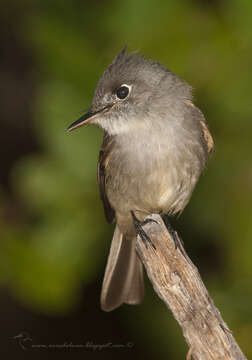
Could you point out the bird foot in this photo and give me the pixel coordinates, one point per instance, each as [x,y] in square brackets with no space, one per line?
[172,232]
[140,231]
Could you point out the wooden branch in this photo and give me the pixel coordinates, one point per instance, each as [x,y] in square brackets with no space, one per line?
[177,282]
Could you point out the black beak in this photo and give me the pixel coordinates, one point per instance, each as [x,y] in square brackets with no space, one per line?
[87,118]
[83,120]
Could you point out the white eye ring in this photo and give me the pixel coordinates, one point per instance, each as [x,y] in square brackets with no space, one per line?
[123,91]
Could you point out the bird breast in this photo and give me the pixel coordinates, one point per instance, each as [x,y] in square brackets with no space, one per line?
[150,174]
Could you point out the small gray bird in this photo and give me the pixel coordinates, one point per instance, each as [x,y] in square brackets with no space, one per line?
[156,144]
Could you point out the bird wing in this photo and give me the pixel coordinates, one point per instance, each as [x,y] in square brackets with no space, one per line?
[206,135]
[104,155]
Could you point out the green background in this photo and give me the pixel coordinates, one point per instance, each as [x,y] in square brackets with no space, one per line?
[54,238]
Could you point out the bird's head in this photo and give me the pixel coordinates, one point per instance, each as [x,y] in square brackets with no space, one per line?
[131,90]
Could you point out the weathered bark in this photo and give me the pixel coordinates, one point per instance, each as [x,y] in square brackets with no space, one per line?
[177,282]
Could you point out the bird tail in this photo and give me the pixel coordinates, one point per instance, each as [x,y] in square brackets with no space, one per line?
[123,279]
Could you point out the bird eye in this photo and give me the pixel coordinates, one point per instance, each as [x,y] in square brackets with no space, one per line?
[123,92]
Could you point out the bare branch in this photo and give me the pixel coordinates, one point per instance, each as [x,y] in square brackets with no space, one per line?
[177,282]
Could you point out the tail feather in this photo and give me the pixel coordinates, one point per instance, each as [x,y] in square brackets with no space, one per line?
[123,279]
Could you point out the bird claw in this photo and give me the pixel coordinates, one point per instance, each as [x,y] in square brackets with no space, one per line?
[140,231]
[172,232]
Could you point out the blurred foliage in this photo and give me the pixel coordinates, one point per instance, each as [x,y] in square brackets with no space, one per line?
[46,259]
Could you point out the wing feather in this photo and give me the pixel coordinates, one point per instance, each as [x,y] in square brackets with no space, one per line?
[104,155]
[206,134]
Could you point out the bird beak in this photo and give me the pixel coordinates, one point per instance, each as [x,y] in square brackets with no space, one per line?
[87,118]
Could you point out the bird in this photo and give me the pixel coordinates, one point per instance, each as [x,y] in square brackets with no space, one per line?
[156,144]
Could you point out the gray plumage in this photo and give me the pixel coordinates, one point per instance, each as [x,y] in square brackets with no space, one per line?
[156,144]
